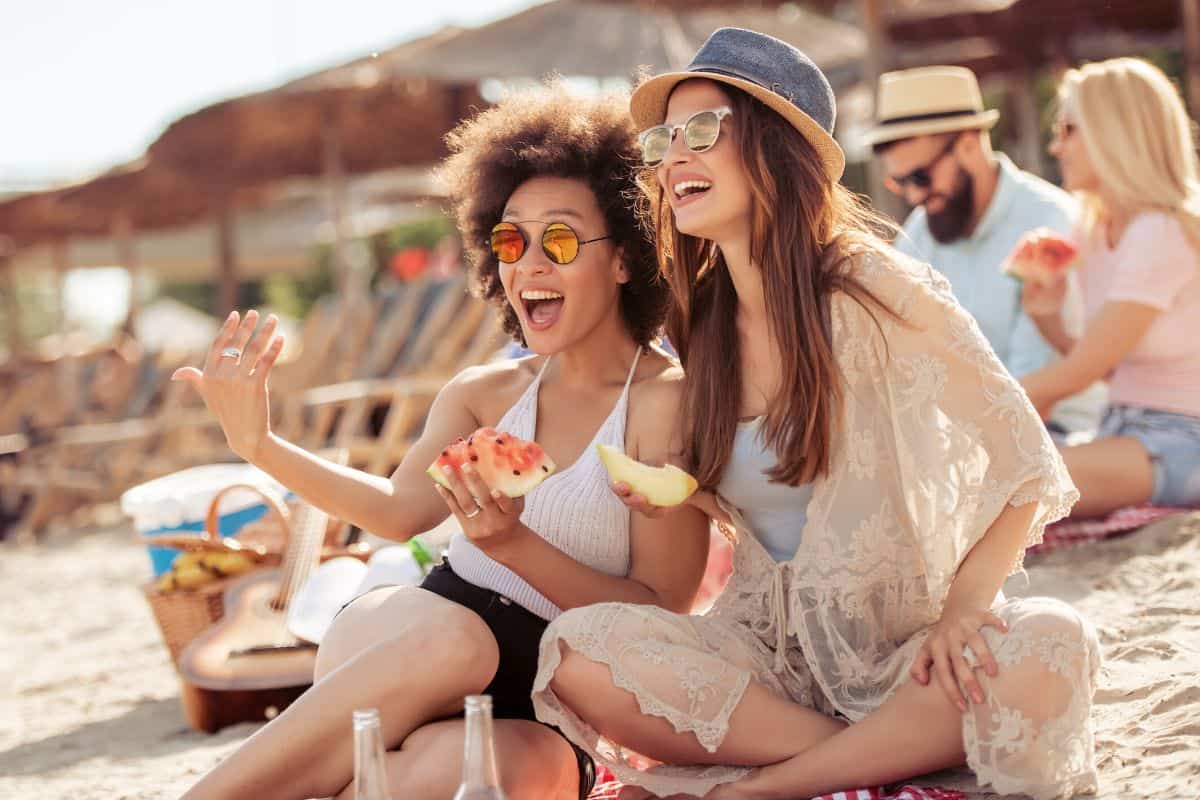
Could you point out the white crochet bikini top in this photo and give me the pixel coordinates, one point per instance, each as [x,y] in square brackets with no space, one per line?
[574,509]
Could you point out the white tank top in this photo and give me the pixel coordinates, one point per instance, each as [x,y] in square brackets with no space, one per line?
[574,509]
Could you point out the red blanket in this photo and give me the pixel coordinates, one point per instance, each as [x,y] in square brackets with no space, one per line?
[1124,520]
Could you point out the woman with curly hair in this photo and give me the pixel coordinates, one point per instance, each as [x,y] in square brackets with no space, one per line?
[541,184]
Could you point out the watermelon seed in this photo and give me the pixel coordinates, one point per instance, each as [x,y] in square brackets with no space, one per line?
[445,452]
[516,472]
[474,458]
[545,469]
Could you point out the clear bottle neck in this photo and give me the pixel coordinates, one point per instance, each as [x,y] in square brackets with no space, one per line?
[481,778]
[370,770]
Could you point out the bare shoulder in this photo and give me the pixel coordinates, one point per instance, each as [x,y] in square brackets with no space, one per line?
[655,401]
[484,388]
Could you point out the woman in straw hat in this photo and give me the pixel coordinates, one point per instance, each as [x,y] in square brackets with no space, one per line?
[882,472]
[540,184]
[1125,145]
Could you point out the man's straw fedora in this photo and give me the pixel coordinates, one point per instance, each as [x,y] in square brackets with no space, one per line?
[927,100]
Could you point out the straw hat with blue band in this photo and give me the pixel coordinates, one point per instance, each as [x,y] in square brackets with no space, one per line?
[770,70]
[928,100]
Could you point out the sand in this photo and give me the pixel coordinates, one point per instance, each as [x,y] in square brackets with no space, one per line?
[89,705]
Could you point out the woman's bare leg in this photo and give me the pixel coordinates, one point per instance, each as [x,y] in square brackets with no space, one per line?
[408,652]
[1047,663]
[535,763]
[1111,473]
[764,728]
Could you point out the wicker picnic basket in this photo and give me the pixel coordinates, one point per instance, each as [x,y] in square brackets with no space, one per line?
[182,614]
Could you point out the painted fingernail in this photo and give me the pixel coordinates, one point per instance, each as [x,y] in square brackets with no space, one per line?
[466,468]
[448,469]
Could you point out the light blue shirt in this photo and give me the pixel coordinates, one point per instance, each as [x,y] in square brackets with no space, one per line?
[775,512]
[1021,203]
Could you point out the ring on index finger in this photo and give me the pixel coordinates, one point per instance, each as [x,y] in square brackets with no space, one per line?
[231,352]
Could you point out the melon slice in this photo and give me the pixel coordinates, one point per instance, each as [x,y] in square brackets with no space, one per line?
[1041,256]
[512,465]
[661,486]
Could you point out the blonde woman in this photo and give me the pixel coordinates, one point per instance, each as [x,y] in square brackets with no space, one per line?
[1126,148]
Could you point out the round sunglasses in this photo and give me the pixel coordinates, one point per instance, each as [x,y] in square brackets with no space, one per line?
[700,132]
[560,243]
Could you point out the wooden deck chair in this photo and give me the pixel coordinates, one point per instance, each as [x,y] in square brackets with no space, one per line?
[405,401]
[406,345]
[96,461]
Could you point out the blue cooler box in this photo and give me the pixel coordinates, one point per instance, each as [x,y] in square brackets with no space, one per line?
[177,503]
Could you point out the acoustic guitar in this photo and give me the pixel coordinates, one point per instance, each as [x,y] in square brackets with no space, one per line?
[248,666]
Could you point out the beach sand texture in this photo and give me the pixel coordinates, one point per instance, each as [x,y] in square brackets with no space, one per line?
[89,705]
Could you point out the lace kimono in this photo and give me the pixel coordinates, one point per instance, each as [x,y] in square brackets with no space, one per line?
[934,440]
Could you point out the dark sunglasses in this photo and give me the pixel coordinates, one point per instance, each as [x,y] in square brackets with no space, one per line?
[922,177]
[700,132]
[560,243]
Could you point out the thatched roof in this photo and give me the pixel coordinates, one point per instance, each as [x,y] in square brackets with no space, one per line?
[606,38]
[224,154]
[275,234]
[283,133]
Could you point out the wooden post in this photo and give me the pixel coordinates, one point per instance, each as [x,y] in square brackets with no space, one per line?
[227,279]
[1190,13]
[12,314]
[61,259]
[122,233]
[1028,151]
[876,61]
[333,169]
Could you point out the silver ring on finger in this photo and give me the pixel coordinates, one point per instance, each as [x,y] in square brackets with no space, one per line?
[231,352]
[472,513]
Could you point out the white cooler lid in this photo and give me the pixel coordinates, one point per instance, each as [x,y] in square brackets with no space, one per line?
[184,496]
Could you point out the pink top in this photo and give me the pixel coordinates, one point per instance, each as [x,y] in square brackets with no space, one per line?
[1157,265]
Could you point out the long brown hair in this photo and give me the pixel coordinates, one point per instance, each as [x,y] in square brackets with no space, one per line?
[805,231]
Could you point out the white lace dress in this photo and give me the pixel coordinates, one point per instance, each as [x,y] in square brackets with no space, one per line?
[935,439]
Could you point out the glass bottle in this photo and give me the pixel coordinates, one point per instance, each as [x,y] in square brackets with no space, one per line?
[370,772]
[480,777]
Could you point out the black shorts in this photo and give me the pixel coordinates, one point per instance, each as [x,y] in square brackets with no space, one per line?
[518,633]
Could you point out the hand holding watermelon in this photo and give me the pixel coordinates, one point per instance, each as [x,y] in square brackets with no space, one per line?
[483,478]
[1042,257]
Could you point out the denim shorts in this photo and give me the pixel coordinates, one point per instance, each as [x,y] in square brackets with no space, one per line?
[1173,442]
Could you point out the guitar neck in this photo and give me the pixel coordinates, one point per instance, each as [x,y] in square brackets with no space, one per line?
[303,552]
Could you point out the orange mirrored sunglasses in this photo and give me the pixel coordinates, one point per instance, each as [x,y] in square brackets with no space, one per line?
[560,243]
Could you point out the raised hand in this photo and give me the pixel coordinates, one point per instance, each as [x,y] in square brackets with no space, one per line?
[233,381]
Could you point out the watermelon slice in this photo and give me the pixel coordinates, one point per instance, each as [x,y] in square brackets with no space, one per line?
[512,465]
[661,486]
[1041,257]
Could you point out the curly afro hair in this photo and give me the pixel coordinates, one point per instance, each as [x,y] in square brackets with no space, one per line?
[548,131]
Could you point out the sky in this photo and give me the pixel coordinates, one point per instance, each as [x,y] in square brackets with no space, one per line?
[86,84]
